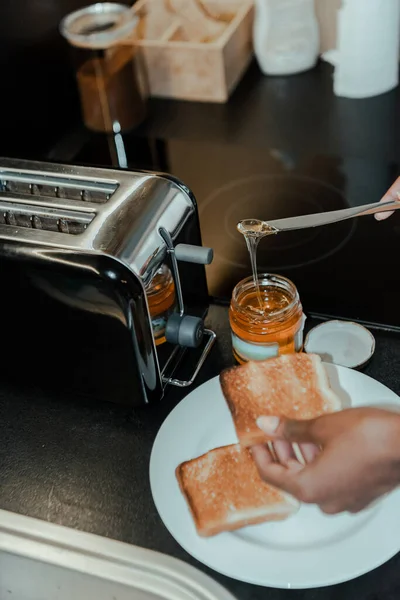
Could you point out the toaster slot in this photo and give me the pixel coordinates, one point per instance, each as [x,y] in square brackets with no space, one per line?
[35,217]
[30,184]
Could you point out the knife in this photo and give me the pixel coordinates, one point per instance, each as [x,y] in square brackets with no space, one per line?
[261,228]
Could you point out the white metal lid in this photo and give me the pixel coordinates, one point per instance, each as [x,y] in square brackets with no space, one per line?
[99,25]
[342,343]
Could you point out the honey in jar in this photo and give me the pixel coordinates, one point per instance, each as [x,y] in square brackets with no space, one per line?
[268,321]
[161,301]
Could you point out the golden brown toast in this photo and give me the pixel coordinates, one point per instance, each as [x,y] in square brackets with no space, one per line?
[224,492]
[295,386]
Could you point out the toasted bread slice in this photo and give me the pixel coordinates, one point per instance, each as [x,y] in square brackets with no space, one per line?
[295,386]
[224,492]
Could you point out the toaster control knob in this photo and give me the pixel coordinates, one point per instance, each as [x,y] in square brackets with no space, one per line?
[184,330]
[194,254]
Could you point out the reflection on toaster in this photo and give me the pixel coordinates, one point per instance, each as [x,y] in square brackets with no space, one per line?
[114,270]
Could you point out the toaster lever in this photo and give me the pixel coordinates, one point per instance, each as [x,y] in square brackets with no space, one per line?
[185,330]
[194,254]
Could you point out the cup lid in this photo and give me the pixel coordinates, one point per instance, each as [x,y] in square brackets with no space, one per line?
[341,343]
[99,25]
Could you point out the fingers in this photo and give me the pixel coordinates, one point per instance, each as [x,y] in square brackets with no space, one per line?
[303,453]
[309,452]
[303,481]
[317,432]
[262,457]
[281,477]
[284,452]
[392,194]
[335,508]
[393,191]
[287,429]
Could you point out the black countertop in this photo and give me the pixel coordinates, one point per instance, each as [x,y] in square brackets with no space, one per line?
[296,116]
[85,466]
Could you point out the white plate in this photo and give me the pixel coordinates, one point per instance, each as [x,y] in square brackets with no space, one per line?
[308,550]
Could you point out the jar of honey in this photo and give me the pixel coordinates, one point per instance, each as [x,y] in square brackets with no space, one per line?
[267,321]
[161,301]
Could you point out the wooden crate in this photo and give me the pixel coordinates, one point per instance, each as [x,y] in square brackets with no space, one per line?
[197,71]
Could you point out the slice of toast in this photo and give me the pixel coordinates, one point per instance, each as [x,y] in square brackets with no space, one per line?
[295,386]
[224,492]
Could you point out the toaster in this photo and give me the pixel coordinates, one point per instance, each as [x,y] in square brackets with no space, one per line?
[104,285]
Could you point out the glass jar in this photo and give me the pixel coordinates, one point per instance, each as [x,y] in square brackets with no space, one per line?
[108,69]
[275,328]
[161,301]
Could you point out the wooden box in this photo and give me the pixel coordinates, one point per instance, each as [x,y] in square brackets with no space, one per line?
[206,71]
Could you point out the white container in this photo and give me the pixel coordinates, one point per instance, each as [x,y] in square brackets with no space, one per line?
[42,561]
[366,57]
[285,36]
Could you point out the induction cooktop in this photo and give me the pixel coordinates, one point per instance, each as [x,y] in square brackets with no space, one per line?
[346,270]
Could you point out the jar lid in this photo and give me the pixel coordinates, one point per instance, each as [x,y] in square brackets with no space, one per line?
[99,25]
[342,343]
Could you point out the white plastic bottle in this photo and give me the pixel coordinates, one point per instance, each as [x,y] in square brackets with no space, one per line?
[366,58]
[285,36]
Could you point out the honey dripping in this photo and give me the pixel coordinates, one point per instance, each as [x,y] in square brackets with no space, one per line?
[253,230]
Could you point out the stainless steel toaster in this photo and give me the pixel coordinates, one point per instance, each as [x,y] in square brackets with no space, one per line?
[79,250]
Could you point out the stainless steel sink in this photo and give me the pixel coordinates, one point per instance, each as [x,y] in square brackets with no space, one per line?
[43,561]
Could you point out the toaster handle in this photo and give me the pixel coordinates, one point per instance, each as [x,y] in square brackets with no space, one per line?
[187,253]
[194,254]
[184,330]
[185,383]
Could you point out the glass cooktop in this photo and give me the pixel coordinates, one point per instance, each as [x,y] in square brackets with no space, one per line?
[347,270]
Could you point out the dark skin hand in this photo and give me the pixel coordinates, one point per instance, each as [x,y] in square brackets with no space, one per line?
[393,193]
[352,458]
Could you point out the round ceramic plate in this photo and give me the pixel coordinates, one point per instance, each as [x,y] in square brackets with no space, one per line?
[307,550]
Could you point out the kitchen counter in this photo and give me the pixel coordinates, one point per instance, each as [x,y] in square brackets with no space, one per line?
[85,466]
[295,117]
[296,114]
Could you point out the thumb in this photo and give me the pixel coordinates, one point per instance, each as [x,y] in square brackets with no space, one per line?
[288,429]
[381,216]
[393,193]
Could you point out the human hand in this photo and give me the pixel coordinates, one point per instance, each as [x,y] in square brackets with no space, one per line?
[352,458]
[393,193]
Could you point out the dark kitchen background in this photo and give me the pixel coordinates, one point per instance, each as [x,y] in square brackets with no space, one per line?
[281,146]
[39,100]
